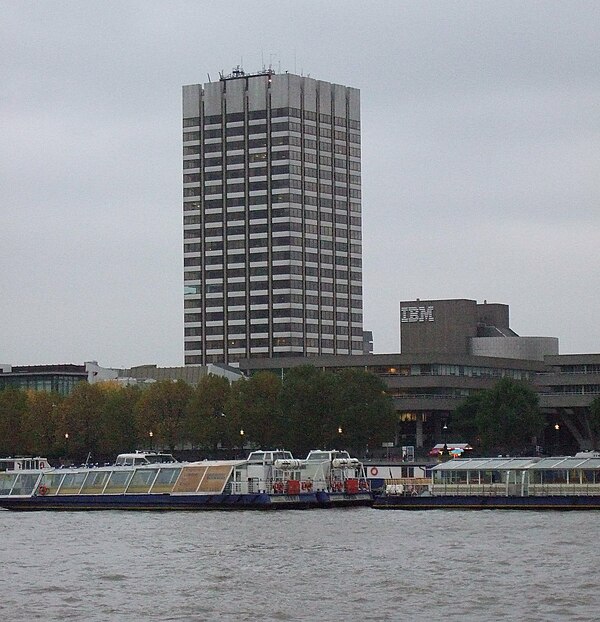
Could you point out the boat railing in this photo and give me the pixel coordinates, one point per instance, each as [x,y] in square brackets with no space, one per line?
[563,489]
[469,489]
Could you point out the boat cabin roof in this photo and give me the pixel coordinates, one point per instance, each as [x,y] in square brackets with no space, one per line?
[22,463]
[504,464]
[269,457]
[484,464]
[143,457]
[568,462]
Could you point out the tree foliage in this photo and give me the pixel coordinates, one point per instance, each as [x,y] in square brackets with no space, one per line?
[364,411]
[310,408]
[13,404]
[39,423]
[256,407]
[118,430]
[161,410]
[464,418]
[82,412]
[504,418]
[307,402]
[209,422]
[594,422]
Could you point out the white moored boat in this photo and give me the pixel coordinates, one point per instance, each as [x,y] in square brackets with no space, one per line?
[153,481]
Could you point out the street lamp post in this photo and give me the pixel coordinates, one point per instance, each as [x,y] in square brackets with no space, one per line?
[151,435]
[557,441]
[66,445]
[242,442]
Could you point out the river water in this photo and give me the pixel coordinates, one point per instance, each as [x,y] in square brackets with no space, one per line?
[355,564]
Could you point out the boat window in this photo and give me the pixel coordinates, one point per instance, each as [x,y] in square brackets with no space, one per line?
[318,455]
[165,480]
[25,484]
[52,482]
[256,457]
[559,476]
[574,476]
[142,480]
[118,482]
[8,465]
[95,482]
[6,482]
[72,483]
[590,477]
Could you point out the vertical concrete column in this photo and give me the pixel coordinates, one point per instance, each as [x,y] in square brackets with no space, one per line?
[437,428]
[419,430]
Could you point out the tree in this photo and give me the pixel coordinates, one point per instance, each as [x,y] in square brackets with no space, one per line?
[118,429]
[307,403]
[161,410]
[508,417]
[40,423]
[209,421]
[80,417]
[464,418]
[13,403]
[363,409]
[594,422]
[256,406]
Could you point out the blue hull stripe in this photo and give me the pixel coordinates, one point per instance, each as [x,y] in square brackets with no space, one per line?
[259,501]
[570,502]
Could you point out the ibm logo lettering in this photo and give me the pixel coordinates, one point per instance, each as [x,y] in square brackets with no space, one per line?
[416,314]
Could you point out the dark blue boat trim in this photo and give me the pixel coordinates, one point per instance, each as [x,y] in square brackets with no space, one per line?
[259,501]
[567,502]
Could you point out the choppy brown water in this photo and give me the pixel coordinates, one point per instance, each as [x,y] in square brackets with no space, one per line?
[349,565]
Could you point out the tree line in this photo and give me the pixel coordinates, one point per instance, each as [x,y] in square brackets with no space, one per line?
[506,419]
[310,408]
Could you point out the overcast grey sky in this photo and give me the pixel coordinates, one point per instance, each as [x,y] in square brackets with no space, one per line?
[481,160]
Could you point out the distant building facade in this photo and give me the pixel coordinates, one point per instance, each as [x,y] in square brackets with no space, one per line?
[454,348]
[464,327]
[148,374]
[63,379]
[271,218]
[57,378]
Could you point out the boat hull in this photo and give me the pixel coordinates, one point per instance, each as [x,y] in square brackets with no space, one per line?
[474,502]
[341,500]
[259,501]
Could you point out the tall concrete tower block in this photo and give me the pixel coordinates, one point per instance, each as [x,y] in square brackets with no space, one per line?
[271,218]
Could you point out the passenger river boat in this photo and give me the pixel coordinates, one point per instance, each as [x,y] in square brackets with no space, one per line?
[566,483]
[155,481]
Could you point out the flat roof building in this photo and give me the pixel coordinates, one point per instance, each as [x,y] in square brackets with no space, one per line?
[465,327]
[271,218]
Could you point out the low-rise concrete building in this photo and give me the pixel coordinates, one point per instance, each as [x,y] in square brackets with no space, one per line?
[453,348]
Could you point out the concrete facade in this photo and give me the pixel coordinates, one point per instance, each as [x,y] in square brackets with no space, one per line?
[464,327]
[271,218]
[425,388]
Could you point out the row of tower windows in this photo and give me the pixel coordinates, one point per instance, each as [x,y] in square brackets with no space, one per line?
[214,148]
[279,126]
[289,327]
[275,113]
[218,175]
[341,204]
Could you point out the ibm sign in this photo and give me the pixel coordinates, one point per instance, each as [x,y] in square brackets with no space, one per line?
[416,314]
